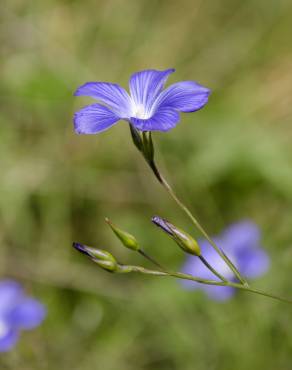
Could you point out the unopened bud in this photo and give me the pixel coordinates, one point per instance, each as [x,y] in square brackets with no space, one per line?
[183,239]
[101,257]
[107,265]
[127,239]
[81,248]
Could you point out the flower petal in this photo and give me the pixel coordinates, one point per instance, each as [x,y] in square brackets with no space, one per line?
[146,85]
[185,96]
[242,235]
[163,120]
[27,315]
[253,263]
[10,293]
[93,119]
[8,340]
[110,94]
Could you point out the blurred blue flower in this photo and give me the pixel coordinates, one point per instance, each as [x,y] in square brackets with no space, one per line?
[241,242]
[148,107]
[17,312]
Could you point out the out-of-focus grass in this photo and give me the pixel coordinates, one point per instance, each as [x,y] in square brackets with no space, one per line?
[231,160]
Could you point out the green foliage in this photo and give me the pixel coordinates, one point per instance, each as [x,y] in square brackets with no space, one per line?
[229,161]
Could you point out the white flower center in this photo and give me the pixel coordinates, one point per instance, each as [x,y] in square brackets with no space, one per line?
[3,329]
[139,111]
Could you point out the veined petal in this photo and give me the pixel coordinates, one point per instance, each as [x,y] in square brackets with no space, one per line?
[93,119]
[185,96]
[27,314]
[110,94]
[163,120]
[145,86]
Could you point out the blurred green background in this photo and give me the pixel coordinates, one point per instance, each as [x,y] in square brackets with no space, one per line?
[229,161]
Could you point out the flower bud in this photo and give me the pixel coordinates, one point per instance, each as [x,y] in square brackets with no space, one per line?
[103,258]
[107,265]
[81,248]
[127,239]
[183,239]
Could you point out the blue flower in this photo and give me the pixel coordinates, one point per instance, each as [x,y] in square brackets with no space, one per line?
[148,107]
[17,312]
[241,242]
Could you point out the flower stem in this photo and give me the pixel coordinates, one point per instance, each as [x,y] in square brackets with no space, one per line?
[173,274]
[170,191]
[209,267]
[151,259]
[180,275]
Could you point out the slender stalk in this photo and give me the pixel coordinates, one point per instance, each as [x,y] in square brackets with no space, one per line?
[209,267]
[148,154]
[260,292]
[170,191]
[180,275]
[151,259]
[172,274]
[157,264]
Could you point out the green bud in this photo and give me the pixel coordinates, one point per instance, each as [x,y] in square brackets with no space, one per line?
[100,254]
[127,239]
[107,265]
[183,239]
[103,258]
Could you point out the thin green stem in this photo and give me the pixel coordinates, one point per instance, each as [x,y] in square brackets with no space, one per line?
[260,292]
[157,264]
[151,259]
[172,274]
[170,191]
[183,276]
[180,275]
[209,267]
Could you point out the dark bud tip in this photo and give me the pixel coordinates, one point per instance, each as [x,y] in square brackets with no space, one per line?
[162,223]
[183,239]
[81,248]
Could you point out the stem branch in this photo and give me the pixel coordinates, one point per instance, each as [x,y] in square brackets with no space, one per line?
[180,275]
[151,259]
[209,267]
[170,191]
